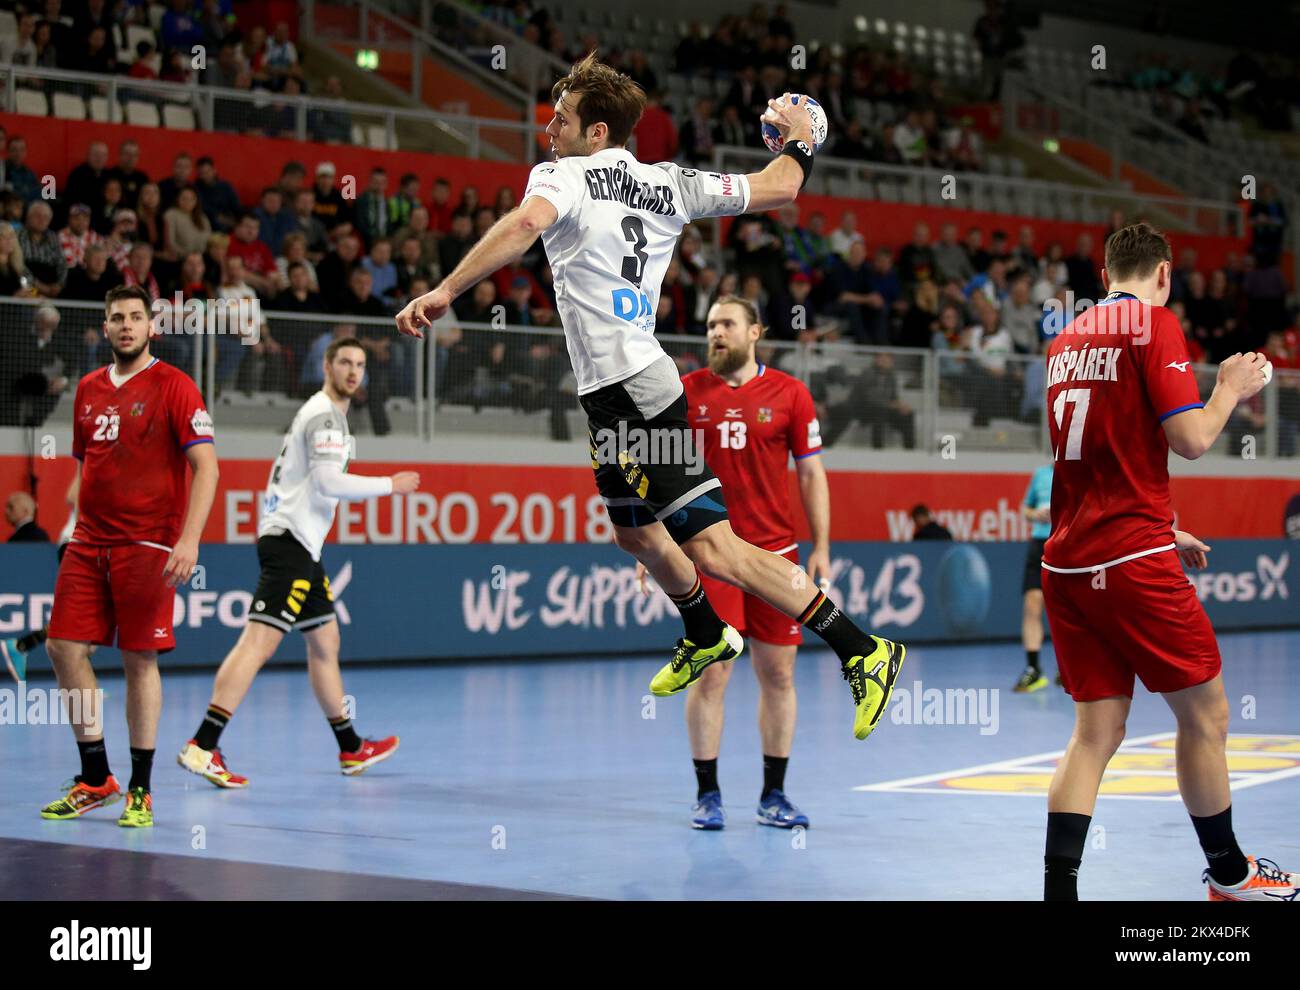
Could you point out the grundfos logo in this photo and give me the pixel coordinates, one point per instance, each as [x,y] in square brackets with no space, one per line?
[194,606]
[1266,583]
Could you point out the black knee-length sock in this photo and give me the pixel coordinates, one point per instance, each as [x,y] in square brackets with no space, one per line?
[706,777]
[823,617]
[1227,862]
[703,627]
[141,768]
[94,762]
[1066,834]
[345,734]
[214,723]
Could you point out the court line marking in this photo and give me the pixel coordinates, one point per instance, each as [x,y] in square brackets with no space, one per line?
[1237,780]
[1015,763]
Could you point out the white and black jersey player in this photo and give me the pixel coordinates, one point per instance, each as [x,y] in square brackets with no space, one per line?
[307,482]
[610,224]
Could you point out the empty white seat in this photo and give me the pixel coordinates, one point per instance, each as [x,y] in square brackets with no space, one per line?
[377,136]
[69,106]
[8,24]
[178,117]
[31,101]
[358,135]
[141,114]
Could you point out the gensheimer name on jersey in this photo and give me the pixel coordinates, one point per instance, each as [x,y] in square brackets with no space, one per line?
[619,221]
[318,436]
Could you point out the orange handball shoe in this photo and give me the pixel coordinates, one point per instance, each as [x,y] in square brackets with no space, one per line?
[81,797]
[372,751]
[1266,881]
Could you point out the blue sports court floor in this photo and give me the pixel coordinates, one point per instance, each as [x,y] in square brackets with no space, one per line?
[523,778]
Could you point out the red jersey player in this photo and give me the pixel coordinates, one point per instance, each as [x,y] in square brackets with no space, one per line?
[753,418]
[135,425]
[1120,394]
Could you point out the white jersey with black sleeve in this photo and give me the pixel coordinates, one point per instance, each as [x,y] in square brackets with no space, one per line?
[618,224]
[308,480]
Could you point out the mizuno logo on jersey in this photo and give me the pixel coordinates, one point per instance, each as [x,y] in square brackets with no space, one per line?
[1178,365]
[617,185]
[1087,364]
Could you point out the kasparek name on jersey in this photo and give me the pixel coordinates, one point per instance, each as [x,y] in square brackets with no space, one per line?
[1084,364]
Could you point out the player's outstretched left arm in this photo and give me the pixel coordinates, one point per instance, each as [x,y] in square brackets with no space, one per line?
[504,243]
[203,492]
[780,182]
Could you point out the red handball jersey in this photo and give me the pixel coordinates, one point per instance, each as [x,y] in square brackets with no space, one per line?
[1113,376]
[131,442]
[750,432]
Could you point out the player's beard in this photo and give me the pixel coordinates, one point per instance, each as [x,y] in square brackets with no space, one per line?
[341,387]
[126,356]
[580,148]
[728,361]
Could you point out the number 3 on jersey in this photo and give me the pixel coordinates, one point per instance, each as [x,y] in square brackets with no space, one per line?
[106,427]
[733,434]
[1074,438]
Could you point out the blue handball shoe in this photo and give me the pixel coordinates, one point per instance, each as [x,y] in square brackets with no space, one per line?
[707,813]
[776,810]
[14,659]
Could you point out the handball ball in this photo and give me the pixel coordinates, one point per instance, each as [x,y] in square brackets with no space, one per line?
[772,137]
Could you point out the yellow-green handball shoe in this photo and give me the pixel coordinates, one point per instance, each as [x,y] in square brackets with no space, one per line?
[689,661]
[871,679]
[138,812]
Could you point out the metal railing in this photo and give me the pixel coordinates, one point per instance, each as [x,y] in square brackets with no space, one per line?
[992,193]
[472,379]
[1036,109]
[191,106]
[505,64]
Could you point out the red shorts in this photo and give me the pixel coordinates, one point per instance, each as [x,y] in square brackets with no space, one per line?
[102,591]
[1145,621]
[752,616]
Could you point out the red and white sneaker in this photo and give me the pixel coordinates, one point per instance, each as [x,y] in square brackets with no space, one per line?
[1266,881]
[209,765]
[372,751]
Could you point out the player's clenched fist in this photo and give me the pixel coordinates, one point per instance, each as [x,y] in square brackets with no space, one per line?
[422,311]
[1244,374]
[405,482]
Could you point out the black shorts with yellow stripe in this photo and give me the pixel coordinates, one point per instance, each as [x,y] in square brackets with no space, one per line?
[649,463]
[292,591]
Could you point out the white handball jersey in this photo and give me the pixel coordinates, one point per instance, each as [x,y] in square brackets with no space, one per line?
[619,221]
[319,436]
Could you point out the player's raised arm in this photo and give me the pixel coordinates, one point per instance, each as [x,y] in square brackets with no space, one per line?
[781,181]
[504,243]
[1192,432]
